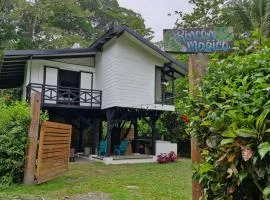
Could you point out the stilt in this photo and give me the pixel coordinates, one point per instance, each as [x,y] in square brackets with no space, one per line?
[110,125]
[154,131]
[135,141]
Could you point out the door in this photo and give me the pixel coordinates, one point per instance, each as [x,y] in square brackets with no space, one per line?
[50,82]
[86,93]
[68,87]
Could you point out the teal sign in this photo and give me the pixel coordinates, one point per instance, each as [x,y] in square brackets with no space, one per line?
[198,40]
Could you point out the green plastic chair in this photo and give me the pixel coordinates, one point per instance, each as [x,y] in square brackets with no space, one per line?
[121,149]
[102,148]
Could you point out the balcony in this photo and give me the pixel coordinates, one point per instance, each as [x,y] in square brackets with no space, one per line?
[65,96]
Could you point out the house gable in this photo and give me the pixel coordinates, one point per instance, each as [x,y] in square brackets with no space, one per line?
[126,74]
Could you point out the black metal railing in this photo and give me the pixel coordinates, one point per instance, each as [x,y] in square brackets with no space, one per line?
[65,96]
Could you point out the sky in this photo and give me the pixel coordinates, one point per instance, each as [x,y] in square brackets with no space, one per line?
[155,13]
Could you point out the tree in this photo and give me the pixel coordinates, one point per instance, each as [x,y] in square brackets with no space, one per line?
[230,118]
[249,15]
[205,13]
[47,24]
[245,16]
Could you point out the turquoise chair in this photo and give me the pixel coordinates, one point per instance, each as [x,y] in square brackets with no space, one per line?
[102,148]
[121,149]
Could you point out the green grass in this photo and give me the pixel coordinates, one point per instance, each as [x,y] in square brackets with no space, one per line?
[154,181]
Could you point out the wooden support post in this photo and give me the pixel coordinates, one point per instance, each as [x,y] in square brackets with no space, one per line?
[31,152]
[135,145]
[109,115]
[154,130]
[198,64]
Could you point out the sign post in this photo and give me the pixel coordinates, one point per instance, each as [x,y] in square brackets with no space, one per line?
[31,152]
[197,42]
[198,64]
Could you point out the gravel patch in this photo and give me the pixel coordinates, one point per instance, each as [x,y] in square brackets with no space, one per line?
[89,196]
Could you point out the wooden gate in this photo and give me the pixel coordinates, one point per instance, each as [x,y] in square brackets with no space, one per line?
[53,151]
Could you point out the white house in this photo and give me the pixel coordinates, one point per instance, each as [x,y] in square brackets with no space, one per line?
[120,77]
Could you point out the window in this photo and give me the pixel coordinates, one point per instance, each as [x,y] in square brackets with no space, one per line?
[158,87]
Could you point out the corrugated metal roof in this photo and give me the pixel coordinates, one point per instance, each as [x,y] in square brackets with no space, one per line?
[13,62]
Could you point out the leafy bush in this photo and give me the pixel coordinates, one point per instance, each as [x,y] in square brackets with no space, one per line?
[232,123]
[14,123]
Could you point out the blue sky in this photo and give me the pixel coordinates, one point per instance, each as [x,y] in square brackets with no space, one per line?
[155,12]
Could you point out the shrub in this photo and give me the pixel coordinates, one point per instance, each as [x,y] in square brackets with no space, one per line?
[232,123]
[162,158]
[165,158]
[14,123]
[172,156]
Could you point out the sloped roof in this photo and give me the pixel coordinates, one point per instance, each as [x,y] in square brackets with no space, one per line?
[13,62]
[116,31]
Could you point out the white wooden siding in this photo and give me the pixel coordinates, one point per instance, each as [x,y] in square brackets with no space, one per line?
[126,75]
[124,72]
[106,78]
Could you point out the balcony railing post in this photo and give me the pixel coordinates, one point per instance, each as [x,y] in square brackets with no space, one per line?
[57,94]
[91,95]
[42,94]
[79,100]
[69,96]
[100,99]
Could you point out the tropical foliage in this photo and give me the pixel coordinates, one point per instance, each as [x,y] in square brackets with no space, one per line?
[14,123]
[249,15]
[232,123]
[245,16]
[45,24]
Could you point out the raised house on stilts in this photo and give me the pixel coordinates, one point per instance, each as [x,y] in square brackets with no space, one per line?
[120,79]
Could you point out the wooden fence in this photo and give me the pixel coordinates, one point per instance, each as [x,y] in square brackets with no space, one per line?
[53,151]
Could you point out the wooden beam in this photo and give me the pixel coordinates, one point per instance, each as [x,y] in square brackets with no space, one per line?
[8,69]
[14,64]
[11,72]
[122,124]
[135,145]
[31,152]
[8,76]
[154,135]
[14,61]
[110,125]
[152,124]
[127,131]
[198,64]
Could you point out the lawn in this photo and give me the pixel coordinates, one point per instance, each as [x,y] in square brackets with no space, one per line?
[138,181]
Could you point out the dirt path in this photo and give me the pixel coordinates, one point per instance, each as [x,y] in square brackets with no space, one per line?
[90,196]
[87,196]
